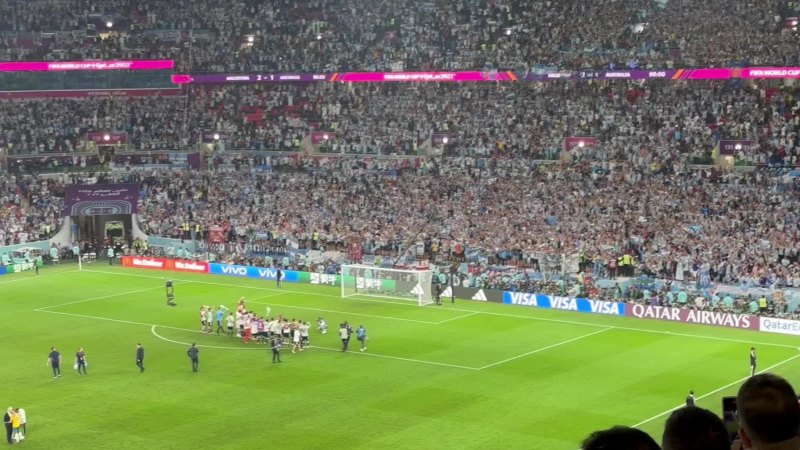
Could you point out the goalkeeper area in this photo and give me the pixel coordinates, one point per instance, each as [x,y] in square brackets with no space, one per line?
[371,281]
[469,375]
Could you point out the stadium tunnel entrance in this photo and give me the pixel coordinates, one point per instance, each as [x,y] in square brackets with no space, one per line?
[102,228]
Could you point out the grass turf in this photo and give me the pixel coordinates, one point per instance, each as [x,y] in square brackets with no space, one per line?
[469,375]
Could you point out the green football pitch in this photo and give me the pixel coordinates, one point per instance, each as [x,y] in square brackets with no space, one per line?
[468,375]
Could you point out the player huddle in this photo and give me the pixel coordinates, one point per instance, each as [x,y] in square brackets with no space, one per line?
[251,327]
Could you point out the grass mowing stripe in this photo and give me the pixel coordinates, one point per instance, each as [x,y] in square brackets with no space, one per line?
[741,380]
[36,277]
[543,319]
[344,312]
[538,350]
[101,298]
[377,355]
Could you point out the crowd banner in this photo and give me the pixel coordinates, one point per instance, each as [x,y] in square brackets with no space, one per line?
[734,146]
[780,326]
[578,304]
[683,315]
[264,273]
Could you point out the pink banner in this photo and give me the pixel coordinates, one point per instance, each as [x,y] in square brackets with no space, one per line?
[61,66]
[767,72]
[319,137]
[703,74]
[570,142]
[374,77]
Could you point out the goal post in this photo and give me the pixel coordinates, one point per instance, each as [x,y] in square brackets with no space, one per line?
[371,281]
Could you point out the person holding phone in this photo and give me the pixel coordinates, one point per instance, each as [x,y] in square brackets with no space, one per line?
[768,413]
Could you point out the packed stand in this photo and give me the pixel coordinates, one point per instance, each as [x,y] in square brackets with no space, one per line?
[653,122]
[337,35]
[30,209]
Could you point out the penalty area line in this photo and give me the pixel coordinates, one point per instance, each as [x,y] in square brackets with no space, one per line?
[538,350]
[153,330]
[120,294]
[708,394]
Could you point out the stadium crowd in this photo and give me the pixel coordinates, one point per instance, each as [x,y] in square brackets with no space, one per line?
[334,35]
[641,122]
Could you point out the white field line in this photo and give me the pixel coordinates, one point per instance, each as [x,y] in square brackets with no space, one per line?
[98,298]
[741,380]
[154,326]
[377,355]
[516,316]
[455,318]
[153,331]
[35,277]
[538,350]
[344,312]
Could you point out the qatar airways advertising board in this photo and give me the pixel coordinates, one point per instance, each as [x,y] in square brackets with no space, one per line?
[715,318]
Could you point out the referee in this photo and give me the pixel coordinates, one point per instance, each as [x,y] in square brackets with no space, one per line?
[276,349]
[140,357]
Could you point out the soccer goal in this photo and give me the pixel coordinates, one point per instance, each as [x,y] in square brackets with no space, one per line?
[374,281]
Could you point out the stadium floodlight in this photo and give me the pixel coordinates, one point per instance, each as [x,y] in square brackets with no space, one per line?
[508,31]
[109,24]
[371,281]
[319,37]
[251,39]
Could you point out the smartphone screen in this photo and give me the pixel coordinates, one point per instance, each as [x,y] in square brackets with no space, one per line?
[729,416]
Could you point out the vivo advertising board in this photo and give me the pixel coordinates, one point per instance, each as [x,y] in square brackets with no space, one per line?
[263,273]
[544,301]
[780,326]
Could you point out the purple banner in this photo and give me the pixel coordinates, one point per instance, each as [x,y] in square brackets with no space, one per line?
[101,199]
[87,93]
[570,142]
[719,319]
[319,137]
[107,137]
[193,159]
[734,146]
[59,66]
[443,137]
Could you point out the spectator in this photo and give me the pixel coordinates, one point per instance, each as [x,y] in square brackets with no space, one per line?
[693,428]
[619,438]
[768,413]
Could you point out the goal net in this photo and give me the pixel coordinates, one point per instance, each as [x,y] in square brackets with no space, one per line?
[371,281]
